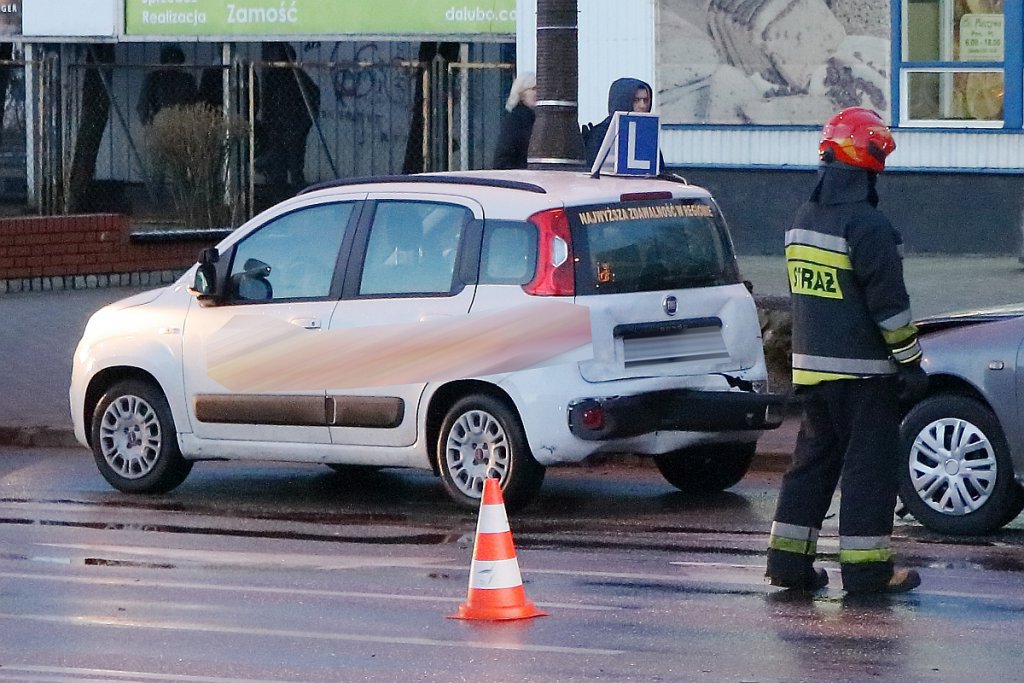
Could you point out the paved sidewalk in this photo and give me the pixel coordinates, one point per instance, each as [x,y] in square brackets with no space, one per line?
[40,330]
[38,335]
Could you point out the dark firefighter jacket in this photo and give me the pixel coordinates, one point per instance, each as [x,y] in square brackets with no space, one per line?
[851,312]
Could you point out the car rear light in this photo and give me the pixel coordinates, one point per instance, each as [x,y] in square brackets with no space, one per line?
[644,196]
[555,274]
[592,418]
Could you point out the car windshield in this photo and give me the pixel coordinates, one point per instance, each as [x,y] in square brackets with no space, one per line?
[651,246]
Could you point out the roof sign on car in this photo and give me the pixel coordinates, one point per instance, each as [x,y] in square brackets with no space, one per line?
[632,142]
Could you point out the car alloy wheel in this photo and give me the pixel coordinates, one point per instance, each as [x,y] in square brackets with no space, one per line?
[130,436]
[477,449]
[482,438]
[133,439]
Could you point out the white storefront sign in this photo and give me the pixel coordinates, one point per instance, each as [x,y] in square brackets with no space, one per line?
[981,38]
[70,18]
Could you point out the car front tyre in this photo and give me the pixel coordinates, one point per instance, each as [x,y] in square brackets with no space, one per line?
[707,468]
[481,438]
[956,476]
[134,441]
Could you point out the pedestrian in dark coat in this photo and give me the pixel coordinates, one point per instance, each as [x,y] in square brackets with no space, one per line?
[517,126]
[289,104]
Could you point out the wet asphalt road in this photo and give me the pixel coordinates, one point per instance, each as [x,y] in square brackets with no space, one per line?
[285,573]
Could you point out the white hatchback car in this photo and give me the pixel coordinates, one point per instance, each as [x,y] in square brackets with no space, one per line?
[482,324]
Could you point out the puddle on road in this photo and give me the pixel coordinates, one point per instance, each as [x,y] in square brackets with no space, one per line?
[632,587]
[88,561]
[1010,565]
[1003,564]
[399,539]
[317,517]
[561,543]
[100,562]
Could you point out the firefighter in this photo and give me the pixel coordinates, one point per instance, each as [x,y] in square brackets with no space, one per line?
[855,357]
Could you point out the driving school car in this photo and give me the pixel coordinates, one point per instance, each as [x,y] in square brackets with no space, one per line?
[479,324]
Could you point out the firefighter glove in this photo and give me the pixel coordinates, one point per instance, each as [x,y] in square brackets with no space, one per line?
[912,382]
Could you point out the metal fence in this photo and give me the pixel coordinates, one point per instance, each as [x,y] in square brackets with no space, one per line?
[15,121]
[118,137]
[472,130]
[161,142]
[314,122]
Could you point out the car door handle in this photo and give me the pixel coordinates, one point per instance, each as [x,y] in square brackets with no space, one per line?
[306,323]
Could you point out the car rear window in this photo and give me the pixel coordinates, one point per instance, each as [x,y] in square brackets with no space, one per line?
[650,246]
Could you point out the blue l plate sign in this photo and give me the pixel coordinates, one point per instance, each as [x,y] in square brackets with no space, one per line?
[637,146]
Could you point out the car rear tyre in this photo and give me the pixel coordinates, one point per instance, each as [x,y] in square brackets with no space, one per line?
[134,441]
[957,476]
[481,438]
[707,468]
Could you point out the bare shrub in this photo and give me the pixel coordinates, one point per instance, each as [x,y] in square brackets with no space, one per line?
[777,333]
[189,146]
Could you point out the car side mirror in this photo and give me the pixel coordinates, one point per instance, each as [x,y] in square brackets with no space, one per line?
[210,255]
[205,281]
[207,285]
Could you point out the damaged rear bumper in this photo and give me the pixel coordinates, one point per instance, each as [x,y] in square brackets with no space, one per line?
[616,417]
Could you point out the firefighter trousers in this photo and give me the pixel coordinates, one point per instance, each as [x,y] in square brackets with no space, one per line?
[848,436]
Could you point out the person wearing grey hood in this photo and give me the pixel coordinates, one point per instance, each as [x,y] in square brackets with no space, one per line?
[625,94]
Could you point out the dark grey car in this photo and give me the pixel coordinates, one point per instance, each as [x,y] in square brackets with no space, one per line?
[963,444]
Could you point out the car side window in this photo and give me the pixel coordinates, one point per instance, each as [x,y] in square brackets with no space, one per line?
[291,257]
[412,248]
[509,253]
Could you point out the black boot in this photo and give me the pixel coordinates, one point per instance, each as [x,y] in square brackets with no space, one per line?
[813,579]
[794,570]
[901,581]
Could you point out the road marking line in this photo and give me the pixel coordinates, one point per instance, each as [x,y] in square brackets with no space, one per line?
[270,590]
[248,559]
[192,627]
[106,674]
[730,565]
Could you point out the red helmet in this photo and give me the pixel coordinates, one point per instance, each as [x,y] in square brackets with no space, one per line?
[857,137]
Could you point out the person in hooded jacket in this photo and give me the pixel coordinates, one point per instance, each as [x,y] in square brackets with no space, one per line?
[289,103]
[169,86]
[517,125]
[624,94]
[855,356]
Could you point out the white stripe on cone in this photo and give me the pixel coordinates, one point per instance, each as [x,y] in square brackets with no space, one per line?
[492,574]
[493,520]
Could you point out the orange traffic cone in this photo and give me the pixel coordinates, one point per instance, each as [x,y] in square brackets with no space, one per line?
[495,586]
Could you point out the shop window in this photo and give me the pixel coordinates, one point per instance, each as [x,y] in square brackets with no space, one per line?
[755,62]
[953,58]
